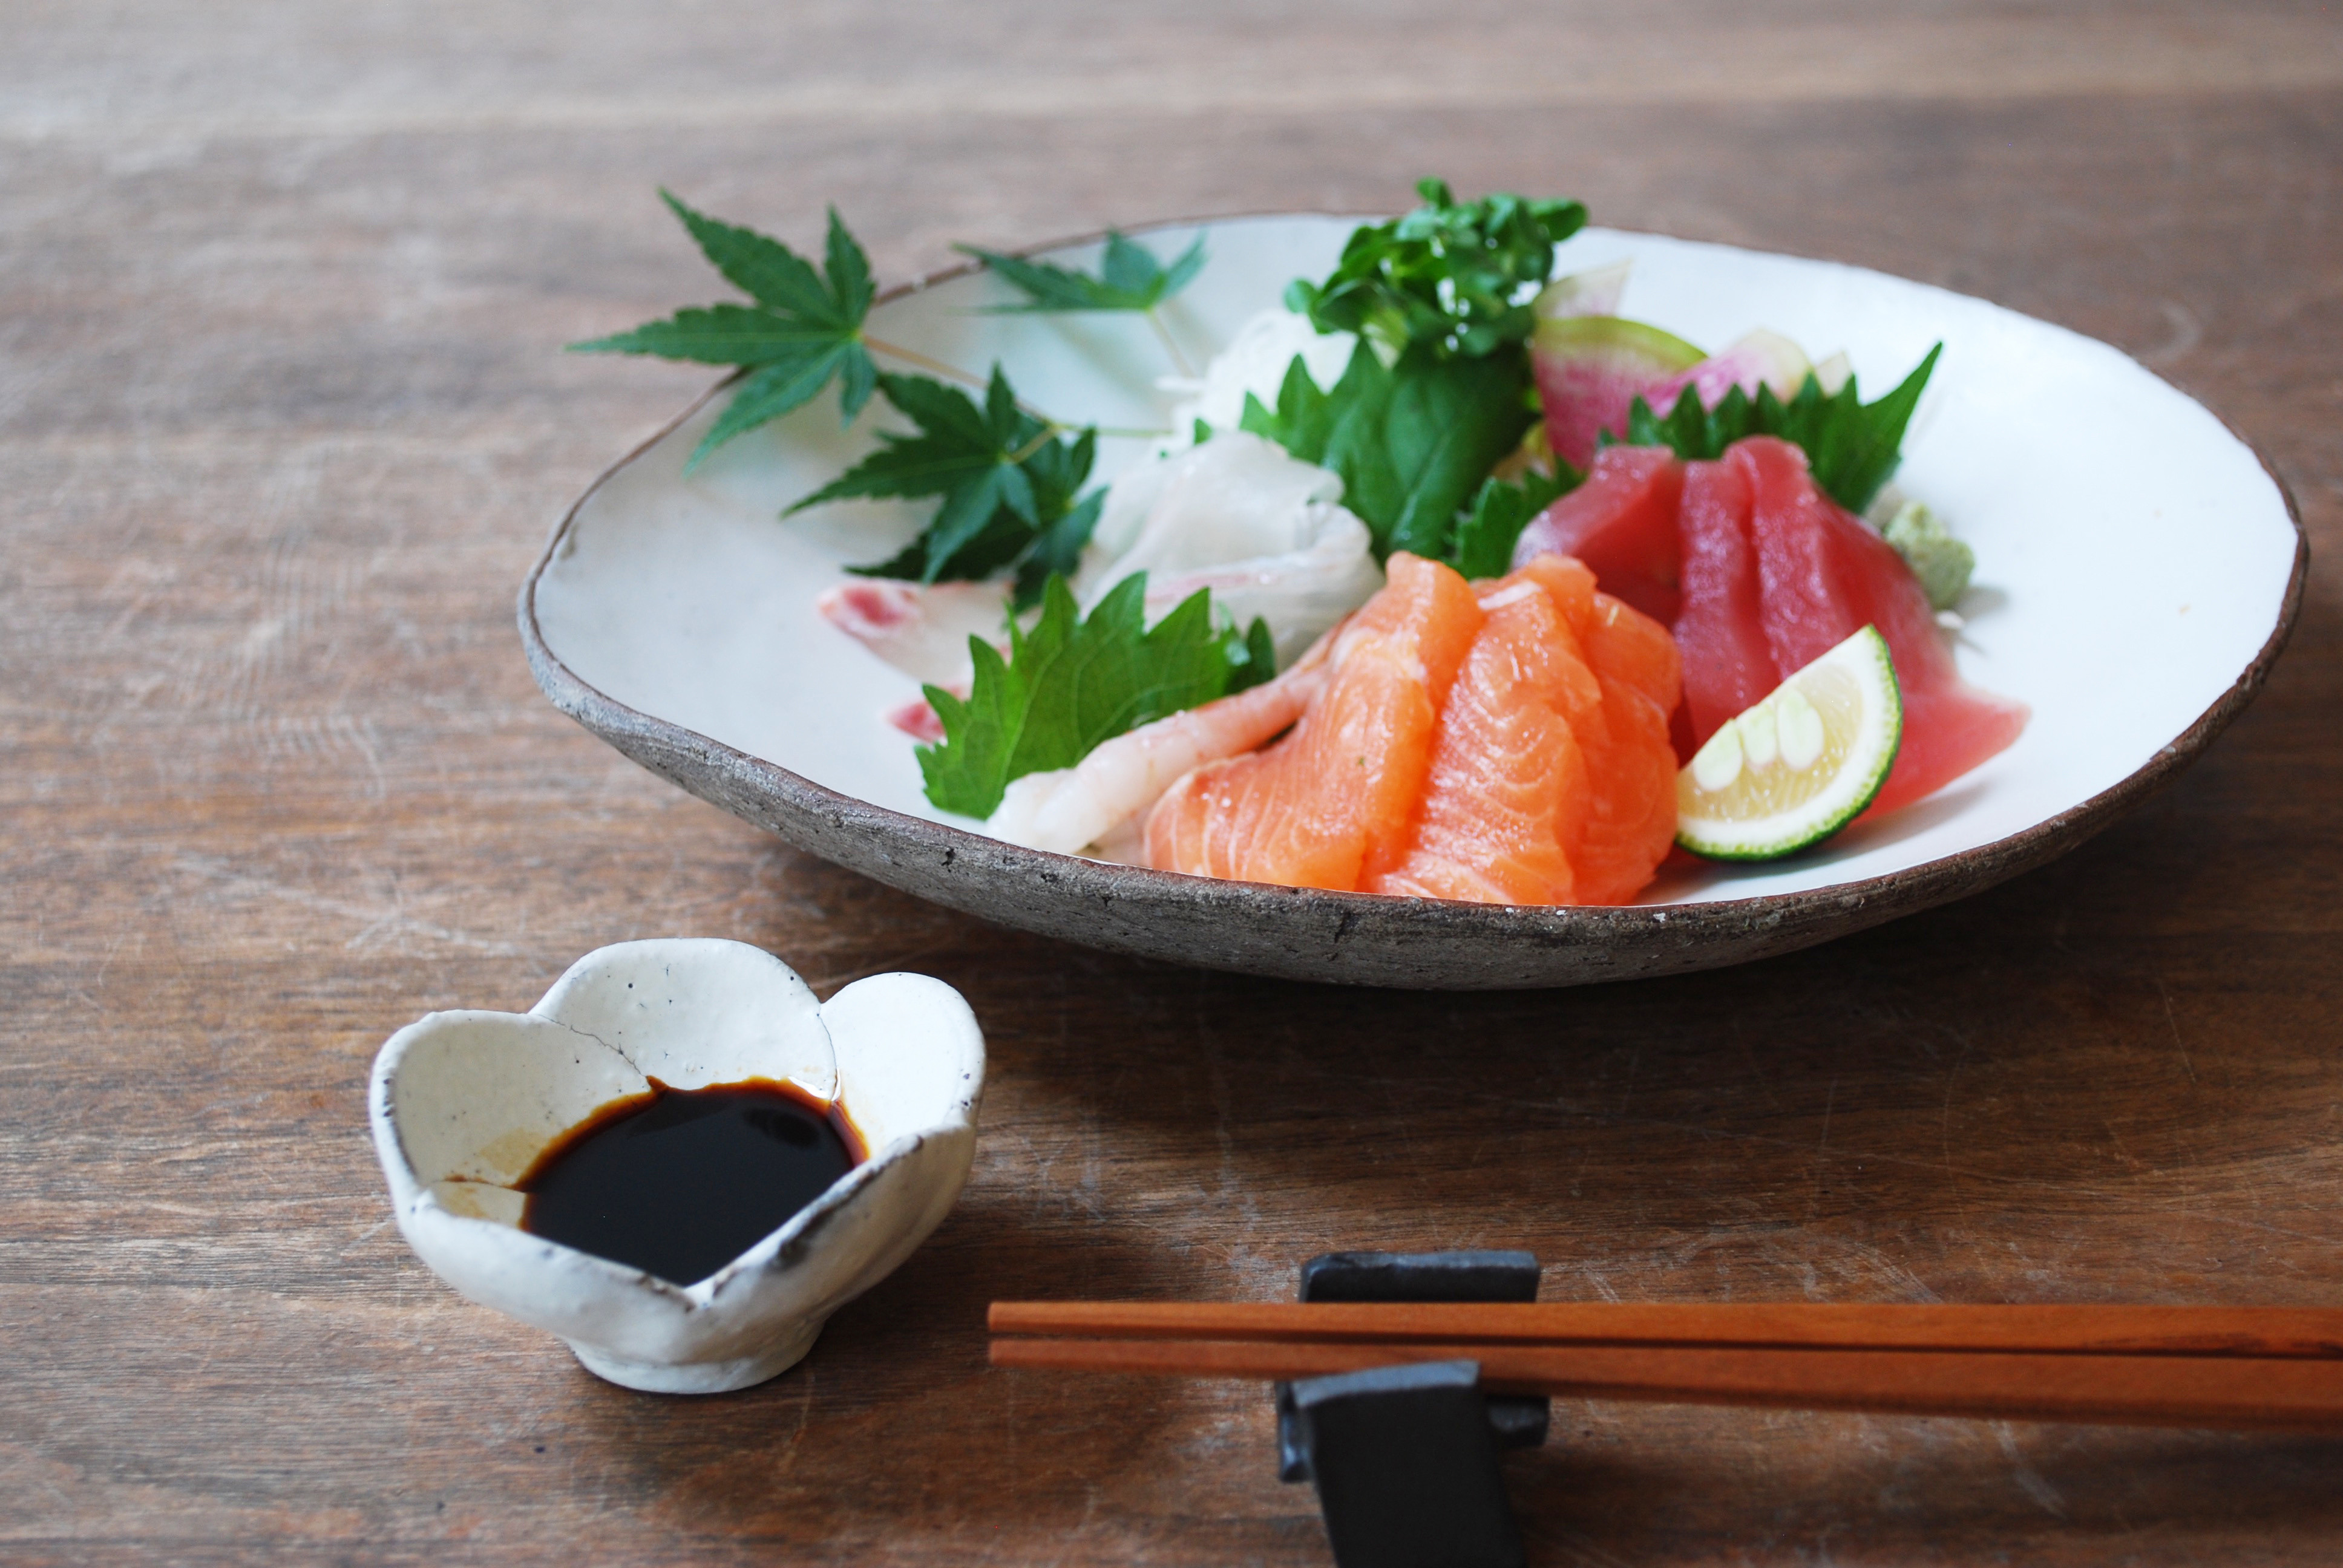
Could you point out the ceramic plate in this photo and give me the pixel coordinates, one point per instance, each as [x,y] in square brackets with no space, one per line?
[2137,571]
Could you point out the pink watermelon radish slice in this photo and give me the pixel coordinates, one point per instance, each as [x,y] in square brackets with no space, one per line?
[1822,575]
[1762,359]
[1595,292]
[1592,368]
[1590,371]
[1622,522]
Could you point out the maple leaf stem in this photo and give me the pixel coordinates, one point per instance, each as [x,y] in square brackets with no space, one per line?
[1050,429]
[879,345]
[911,355]
[1171,346]
[1053,429]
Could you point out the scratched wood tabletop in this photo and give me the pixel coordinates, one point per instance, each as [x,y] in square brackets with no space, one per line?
[283,422]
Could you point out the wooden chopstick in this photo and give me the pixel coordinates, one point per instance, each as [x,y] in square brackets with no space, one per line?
[2221,1391]
[2307,1332]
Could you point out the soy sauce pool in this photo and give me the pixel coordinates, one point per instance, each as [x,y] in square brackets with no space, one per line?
[680,1181]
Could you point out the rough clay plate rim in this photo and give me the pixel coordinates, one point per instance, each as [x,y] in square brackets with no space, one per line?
[1307,933]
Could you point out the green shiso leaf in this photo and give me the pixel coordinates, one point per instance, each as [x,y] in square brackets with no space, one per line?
[1072,682]
[1852,446]
[1411,440]
[1486,537]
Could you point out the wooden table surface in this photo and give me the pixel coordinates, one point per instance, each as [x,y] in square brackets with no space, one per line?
[282,424]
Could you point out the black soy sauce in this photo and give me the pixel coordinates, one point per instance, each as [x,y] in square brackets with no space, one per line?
[680,1181]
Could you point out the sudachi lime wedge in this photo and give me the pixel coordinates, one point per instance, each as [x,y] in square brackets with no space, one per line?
[1801,764]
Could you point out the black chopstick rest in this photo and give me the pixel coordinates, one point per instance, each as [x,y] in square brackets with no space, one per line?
[1517,1420]
[1406,1467]
[1457,1276]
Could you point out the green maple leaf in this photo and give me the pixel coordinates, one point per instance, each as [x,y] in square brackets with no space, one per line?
[1486,537]
[1850,445]
[1056,549]
[1411,440]
[804,329]
[1130,278]
[1009,483]
[1072,682]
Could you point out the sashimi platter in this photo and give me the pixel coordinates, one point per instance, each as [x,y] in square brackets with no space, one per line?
[1472,599]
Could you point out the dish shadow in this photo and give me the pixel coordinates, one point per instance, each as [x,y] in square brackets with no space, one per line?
[1982,602]
[815,1455]
[1683,876]
[1976,1101]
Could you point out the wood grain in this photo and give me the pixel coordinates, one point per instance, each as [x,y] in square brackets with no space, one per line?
[282,424]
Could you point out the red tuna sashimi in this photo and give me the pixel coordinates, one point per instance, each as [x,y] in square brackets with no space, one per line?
[1729,663]
[1622,522]
[1822,575]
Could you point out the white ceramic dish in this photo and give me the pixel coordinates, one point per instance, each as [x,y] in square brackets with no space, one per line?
[2138,570]
[463,1102]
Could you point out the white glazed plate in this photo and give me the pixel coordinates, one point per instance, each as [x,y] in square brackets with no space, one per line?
[2139,569]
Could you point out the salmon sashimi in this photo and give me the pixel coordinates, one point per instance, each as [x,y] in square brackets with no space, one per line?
[1824,575]
[1553,781]
[1333,803]
[1632,820]
[1508,780]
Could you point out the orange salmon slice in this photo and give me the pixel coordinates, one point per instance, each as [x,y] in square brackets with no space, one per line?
[1630,823]
[1508,778]
[1553,781]
[1333,803]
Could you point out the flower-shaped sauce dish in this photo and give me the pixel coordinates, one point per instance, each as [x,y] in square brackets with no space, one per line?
[465,1104]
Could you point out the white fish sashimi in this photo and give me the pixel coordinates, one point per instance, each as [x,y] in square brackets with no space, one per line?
[1255,363]
[1100,800]
[922,629]
[1299,593]
[1235,496]
[1238,516]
